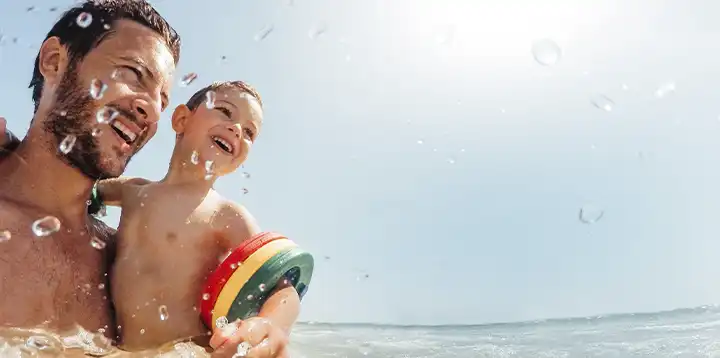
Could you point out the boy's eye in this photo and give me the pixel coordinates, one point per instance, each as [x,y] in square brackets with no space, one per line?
[224,111]
[249,133]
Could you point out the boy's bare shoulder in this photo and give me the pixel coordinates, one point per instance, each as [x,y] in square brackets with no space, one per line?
[234,221]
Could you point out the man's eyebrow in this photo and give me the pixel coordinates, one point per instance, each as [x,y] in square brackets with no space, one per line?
[151,74]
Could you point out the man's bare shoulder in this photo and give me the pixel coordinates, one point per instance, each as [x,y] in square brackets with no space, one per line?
[15,227]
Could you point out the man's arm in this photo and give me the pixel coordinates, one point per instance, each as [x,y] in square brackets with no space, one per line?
[283,305]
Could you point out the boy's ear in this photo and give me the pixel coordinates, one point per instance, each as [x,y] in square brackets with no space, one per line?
[180,117]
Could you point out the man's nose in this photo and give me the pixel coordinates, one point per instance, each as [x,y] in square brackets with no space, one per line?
[146,110]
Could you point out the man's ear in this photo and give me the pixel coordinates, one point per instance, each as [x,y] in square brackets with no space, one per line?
[52,61]
[180,118]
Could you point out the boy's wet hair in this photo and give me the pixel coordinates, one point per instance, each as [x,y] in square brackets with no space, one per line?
[80,41]
[200,96]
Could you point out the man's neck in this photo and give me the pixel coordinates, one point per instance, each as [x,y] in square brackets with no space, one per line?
[36,176]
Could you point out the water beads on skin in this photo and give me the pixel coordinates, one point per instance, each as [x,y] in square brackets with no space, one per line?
[45,226]
[97,89]
[67,144]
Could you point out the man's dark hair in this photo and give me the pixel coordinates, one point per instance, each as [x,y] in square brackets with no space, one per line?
[103,13]
[199,96]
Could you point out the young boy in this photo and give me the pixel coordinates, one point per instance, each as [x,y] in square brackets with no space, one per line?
[174,232]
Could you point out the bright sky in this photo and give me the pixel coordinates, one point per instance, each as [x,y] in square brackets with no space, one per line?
[418,142]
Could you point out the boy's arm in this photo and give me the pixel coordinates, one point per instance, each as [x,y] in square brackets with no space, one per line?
[111,190]
[283,305]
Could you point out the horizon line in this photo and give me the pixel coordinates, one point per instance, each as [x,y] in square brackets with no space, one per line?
[521,322]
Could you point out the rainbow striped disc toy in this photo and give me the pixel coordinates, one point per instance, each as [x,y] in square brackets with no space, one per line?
[241,283]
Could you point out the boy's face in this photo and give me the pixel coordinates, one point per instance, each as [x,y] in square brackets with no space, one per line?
[224,132]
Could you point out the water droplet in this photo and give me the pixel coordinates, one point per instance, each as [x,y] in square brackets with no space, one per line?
[106,26]
[317,31]
[5,236]
[163,313]
[53,9]
[221,322]
[546,52]
[97,88]
[142,331]
[63,113]
[420,141]
[195,157]
[242,350]
[205,296]
[46,226]
[188,79]
[250,297]
[245,190]
[97,243]
[233,266]
[590,214]
[262,287]
[264,32]
[96,131]
[602,102]
[210,99]
[246,175]
[38,342]
[106,115]
[101,286]
[30,8]
[84,20]
[67,144]
[625,87]
[209,169]
[665,90]
[451,161]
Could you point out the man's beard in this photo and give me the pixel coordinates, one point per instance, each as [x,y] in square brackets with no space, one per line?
[74,114]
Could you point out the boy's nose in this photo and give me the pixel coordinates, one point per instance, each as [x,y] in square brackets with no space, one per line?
[237,129]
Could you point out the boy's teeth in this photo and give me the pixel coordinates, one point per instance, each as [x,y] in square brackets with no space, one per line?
[225,145]
[125,130]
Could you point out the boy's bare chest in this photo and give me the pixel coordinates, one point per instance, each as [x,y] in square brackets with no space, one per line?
[161,222]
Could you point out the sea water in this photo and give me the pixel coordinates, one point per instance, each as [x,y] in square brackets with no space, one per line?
[691,332]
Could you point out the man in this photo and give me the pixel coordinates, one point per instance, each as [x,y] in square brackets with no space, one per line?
[102,59]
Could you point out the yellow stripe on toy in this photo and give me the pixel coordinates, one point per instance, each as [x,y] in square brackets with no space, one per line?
[243,274]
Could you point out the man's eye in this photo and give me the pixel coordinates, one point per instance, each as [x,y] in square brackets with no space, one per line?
[127,73]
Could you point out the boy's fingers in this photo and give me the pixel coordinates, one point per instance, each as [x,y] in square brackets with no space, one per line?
[268,347]
[222,336]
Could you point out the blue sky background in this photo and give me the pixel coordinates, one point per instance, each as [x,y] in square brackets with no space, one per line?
[479,223]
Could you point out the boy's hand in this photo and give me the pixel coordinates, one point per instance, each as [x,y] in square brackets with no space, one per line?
[8,142]
[4,138]
[266,340]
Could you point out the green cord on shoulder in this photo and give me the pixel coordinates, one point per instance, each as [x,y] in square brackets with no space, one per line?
[96,207]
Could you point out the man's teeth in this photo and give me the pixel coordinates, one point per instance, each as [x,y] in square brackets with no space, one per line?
[223,144]
[126,132]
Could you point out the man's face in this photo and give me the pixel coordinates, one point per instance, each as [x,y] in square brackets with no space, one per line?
[112,99]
